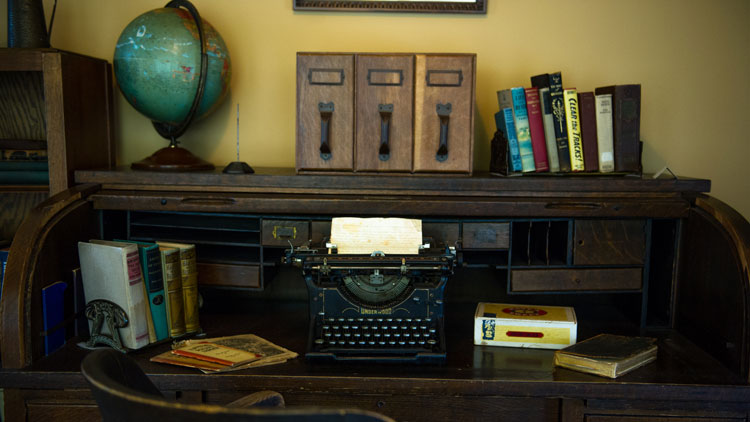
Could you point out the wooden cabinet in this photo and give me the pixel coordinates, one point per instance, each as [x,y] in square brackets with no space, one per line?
[655,255]
[56,101]
[404,112]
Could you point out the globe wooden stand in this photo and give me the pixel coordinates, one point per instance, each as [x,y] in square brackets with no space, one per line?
[172,158]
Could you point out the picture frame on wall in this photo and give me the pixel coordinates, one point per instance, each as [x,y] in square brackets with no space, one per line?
[422,6]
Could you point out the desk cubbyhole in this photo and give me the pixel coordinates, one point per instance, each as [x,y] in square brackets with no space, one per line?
[540,242]
[221,229]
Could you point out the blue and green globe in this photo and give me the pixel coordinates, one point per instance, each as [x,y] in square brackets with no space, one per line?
[157,65]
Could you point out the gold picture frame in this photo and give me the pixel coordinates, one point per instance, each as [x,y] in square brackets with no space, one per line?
[422,6]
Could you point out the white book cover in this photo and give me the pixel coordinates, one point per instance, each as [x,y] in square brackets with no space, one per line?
[114,273]
[604,133]
[549,130]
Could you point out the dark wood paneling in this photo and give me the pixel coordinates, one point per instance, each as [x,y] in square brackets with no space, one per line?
[22,107]
[609,242]
[576,279]
[14,206]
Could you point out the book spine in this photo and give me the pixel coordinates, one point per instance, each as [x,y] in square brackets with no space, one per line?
[627,116]
[536,129]
[521,119]
[587,114]
[604,133]
[558,114]
[172,271]
[136,300]
[573,124]
[155,287]
[510,132]
[53,314]
[190,288]
[549,130]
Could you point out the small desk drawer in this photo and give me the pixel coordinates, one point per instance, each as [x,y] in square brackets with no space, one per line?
[282,232]
[544,280]
[227,275]
[486,236]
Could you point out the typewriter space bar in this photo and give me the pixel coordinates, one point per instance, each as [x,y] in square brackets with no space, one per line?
[364,356]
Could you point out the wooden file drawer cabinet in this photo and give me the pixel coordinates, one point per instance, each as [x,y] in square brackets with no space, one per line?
[369,112]
[385,100]
[444,113]
[325,111]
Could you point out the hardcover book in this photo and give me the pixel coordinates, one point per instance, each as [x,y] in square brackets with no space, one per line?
[114,273]
[172,272]
[505,100]
[189,272]
[549,130]
[573,123]
[608,355]
[536,129]
[154,280]
[521,119]
[604,133]
[53,313]
[558,115]
[587,108]
[626,122]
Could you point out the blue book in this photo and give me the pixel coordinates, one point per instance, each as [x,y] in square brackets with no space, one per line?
[53,314]
[521,118]
[510,134]
[3,263]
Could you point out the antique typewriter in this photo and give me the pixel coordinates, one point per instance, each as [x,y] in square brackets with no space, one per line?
[377,307]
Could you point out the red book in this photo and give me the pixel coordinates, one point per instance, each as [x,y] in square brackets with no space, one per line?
[536,129]
[587,107]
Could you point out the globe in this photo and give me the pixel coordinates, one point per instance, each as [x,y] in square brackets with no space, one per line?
[157,65]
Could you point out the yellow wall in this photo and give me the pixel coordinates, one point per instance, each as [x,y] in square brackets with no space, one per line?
[692,58]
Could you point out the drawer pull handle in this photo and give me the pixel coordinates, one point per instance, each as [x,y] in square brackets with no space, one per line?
[209,201]
[444,113]
[326,111]
[574,206]
[386,111]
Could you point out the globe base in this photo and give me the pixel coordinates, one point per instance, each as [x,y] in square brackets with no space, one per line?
[172,158]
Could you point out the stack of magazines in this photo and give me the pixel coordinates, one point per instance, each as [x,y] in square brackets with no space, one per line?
[223,354]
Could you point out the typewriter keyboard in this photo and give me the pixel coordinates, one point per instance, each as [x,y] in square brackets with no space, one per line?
[377,333]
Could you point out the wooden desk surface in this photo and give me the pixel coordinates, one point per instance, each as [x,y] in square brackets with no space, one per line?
[681,372]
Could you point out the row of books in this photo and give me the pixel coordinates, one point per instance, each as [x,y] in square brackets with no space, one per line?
[23,171]
[156,284]
[552,129]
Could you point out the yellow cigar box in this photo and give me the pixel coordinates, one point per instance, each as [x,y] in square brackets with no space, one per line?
[542,327]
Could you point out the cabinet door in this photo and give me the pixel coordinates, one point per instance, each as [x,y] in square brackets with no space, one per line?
[325,112]
[444,113]
[384,106]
